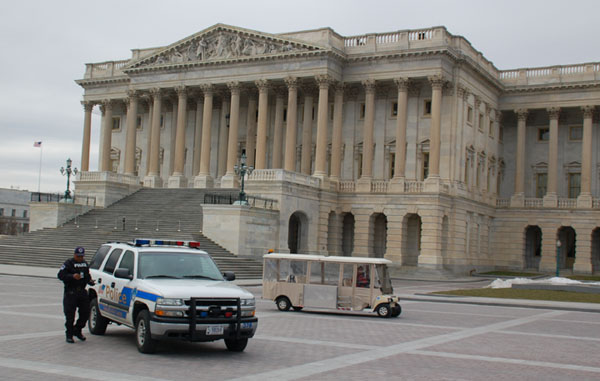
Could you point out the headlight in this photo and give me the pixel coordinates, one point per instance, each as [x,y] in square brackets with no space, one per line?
[169,313]
[169,302]
[247,302]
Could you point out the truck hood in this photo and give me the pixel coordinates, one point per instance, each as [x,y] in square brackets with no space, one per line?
[188,288]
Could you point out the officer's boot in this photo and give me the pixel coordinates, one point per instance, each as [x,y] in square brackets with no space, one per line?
[79,335]
[70,339]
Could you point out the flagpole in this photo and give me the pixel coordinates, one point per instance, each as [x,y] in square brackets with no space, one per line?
[40,171]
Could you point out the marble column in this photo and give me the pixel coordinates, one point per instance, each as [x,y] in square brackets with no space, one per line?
[306,155]
[397,182]
[336,139]
[173,134]
[150,103]
[551,197]
[518,198]
[364,183]
[437,83]
[261,133]
[251,128]
[197,136]
[130,136]
[322,123]
[204,179]
[585,197]
[87,132]
[153,179]
[223,135]
[291,125]
[178,180]
[229,180]
[107,108]
[278,128]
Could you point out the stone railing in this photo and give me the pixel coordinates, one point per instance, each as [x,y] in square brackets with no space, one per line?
[346,186]
[413,186]
[503,202]
[403,39]
[379,186]
[551,74]
[60,197]
[108,176]
[596,203]
[283,175]
[567,203]
[104,69]
[534,202]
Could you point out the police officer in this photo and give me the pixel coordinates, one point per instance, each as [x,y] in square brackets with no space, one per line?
[75,275]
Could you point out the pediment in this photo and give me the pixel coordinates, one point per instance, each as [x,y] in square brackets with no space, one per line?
[223,43]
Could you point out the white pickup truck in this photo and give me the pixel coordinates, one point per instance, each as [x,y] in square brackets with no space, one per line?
[168,290]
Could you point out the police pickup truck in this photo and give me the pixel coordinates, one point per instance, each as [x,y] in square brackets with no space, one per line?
[168,290]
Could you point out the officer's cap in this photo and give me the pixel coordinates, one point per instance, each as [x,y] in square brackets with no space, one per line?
[79,251]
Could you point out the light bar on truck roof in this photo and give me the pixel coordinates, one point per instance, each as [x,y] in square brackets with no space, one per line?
[164,242]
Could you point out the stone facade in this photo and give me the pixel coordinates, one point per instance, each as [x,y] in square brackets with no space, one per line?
[408,145]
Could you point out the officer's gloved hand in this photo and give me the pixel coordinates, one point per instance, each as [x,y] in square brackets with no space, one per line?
[92,283]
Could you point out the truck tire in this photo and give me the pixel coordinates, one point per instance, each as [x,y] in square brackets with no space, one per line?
[234,345]
[97,323]
[143,336]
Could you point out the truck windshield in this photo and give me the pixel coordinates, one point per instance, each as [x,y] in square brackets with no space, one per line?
[178,265]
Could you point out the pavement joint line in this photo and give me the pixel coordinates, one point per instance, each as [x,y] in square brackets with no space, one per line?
[314,342]
[33,335]
[575,321]
[461,313]
[71,371]
[29,314]
[504,360]
[31,305]
[519,333]
[321,366]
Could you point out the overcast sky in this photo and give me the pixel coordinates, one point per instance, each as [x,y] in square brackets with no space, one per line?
[45,45]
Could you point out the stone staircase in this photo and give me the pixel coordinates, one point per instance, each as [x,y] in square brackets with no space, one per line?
[148,213]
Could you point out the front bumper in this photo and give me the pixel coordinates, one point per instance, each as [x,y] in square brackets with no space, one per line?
[170,329]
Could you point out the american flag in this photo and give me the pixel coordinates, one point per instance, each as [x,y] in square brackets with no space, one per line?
[37,144]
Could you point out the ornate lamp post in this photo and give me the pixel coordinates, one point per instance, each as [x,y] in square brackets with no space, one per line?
[68,171]
[558,243]
[241,170]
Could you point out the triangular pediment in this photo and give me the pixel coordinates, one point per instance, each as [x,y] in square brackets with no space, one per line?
[223,43]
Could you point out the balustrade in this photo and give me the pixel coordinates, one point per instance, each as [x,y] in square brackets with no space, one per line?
[379,186]
[413,187]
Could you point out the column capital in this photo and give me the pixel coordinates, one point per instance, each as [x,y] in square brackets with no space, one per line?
[369,85]
[553,112]
[463,92]
[402,83]
[488,108]
[522,114]
[477,101]
[588,111]
[207,89]
[498,115]
[291,82]
[324,80]
[87,105]
[437,81]
[234,87]
[107,104]
[133,94]
[182,91]
[262,84]
[156,92]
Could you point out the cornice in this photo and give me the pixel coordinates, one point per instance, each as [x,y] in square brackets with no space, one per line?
[102,81]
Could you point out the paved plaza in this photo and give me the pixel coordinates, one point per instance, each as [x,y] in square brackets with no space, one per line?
[429,341]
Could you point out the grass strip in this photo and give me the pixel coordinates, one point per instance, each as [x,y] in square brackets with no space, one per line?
[509,293]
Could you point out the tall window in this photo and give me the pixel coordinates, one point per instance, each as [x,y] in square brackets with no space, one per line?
[362,111]
[467,166]
[543,134]
[574,184]
[394,109]
[392,164]
[470,115]
[425,165]
[480,125]
[116,123]
[575,133]
[427,107]
[541,183]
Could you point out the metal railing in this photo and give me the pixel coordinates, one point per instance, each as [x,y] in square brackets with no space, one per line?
[229,199]
[60,197]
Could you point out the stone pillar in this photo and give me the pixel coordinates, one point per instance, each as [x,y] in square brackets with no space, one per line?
[130,137]
[551,197]
[397,182]
[437,83]
[431,240]
[204,180]
[153,179]
[149,133]
[361,232]
[178,180]
[585,197]
[230,179]
[364,183]
[197,136]
[261,134]
[336,139]
[583,258]
[518,198]
[173,132]
[106,135]
[322,124]
[291,126]
[223,136]
[306,156]
[251,128]
[278,128]
[87,132]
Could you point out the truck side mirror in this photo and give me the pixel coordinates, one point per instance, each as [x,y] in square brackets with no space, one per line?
[123,274]
[229,275]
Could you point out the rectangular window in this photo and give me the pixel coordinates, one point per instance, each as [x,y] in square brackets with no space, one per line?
[394,110]
[116,123]
[469,115]
[491,129]
[427,107]
[543,134]
[425,171]
[574,184]
[392,164]
[162,120]
[359,166]
[313,113]
[24,214]
[331,111]
[480,125]
[138,123]
[467,167]
[1,211]
[541,182]
[575,133]
[285,114]
[14,213]
[362,111]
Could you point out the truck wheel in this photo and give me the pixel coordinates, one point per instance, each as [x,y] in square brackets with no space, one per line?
[144,341]
[234,345]
[283,303]
[396,310]
[97,323]
[384,310]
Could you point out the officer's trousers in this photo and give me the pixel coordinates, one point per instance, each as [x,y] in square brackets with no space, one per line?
[73,300]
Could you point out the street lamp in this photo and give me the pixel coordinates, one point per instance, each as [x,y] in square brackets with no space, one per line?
[241,170]
[68,171]
[558,243]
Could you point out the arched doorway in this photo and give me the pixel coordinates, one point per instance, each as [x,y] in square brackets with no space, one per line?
[567,238]
[596,250]
[377,235]
[533,248]
[298,233]
[348,235]
[411,240]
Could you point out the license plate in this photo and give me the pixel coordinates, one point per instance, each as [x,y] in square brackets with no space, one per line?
[214,330]
[246,325]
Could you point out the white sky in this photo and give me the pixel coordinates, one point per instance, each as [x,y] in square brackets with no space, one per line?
[45,45]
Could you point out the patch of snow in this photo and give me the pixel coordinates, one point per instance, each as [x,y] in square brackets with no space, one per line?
[507,283]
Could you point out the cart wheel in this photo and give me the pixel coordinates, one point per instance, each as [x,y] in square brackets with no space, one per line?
[396,310]
[297,308]
[384,310]
[283,303]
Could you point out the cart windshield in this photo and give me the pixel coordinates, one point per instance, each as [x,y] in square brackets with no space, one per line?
[383,279]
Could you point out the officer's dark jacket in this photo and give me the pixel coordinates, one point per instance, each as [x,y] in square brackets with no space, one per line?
[70,268]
